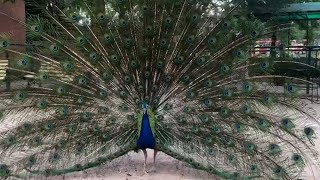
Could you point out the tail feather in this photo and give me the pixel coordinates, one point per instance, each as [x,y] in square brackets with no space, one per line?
[213,106]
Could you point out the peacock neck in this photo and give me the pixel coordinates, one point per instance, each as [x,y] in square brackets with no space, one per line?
[145,124]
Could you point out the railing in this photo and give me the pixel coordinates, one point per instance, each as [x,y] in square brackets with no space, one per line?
[298,51]
[306,54]
[3,67]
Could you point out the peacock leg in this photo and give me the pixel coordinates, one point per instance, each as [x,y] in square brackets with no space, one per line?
[154,155]
[145,160]
[154,160]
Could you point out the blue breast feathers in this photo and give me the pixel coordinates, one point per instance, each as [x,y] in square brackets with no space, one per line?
[146,139]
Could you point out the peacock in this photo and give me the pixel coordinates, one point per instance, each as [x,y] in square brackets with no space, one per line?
[98,79]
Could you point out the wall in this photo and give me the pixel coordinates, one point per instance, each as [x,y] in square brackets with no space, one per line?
[14,28]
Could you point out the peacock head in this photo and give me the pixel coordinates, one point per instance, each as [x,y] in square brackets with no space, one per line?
[145,107]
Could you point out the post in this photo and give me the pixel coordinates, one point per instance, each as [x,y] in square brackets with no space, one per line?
[273,52]
[308,55]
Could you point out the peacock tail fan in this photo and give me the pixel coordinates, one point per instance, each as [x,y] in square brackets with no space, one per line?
[93,65]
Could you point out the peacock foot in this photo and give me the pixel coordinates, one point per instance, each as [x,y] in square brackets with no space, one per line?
[142,173]
[153,169]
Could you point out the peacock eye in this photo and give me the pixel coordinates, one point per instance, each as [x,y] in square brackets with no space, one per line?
[285,122]
[296,157]
[264,65]
[253,33]
[308,131]
[267,99]
[24,62]
[4,44]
